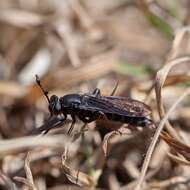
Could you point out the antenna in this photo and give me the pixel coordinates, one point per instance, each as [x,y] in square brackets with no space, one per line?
[44,91]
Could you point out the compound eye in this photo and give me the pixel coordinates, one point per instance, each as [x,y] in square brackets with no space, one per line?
[58,105]
[53,98]
[54,105]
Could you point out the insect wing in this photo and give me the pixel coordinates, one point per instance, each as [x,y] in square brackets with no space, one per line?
[135,107]
[115,105]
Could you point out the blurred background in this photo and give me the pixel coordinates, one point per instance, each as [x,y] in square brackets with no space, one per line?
[75,46]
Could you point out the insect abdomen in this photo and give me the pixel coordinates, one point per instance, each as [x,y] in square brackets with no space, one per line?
[137,121]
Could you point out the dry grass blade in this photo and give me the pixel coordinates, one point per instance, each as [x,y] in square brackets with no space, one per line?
[39,64]
[155,138]
[69,187]
[7,182]
[178,78]
[179,159]
[21,18]
[85,19]
[21,144]
[96,67]
[77,177]
[65,35]
[106,141]
[167,183]
[25,182]
[180,45]
[160,80]
[29,182]
[176,145]
[12,89]
[29,172]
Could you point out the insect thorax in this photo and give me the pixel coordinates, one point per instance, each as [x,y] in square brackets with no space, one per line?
[70,100]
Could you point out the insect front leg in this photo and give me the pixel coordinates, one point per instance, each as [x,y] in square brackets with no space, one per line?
[57,125]
[72,124]
[51,124]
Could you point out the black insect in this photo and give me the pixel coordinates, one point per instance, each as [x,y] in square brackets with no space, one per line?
[89,107]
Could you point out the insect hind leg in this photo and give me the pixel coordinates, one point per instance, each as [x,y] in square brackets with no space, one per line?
[114,89]
[146,122]
[96,92]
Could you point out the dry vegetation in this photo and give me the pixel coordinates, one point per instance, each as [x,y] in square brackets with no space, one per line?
[76,46]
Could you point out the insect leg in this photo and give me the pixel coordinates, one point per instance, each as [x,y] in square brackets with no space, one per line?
[102,115]
[145,122]
[72,124]
[114,89]
[80,133]
[57,125]
[51,124]
[96,92]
